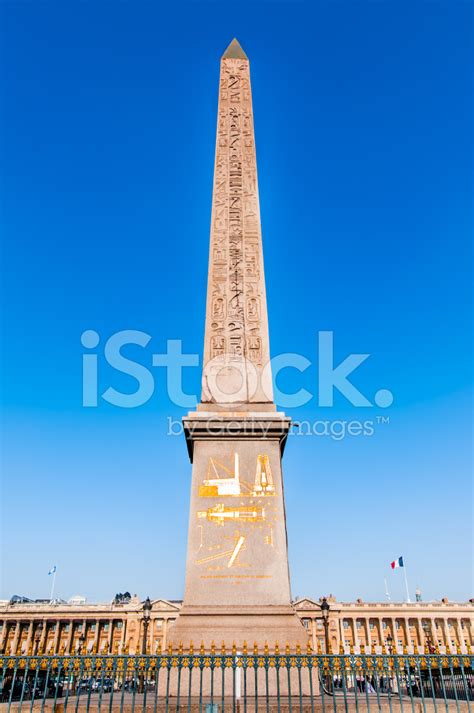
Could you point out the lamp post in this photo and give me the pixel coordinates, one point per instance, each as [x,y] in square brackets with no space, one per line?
[325,612]
[82,639]
[146,624]
[390,644]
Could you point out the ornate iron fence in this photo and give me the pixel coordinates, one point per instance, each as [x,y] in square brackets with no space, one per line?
[175,682]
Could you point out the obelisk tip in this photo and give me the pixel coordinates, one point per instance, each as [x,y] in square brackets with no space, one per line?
[234,51]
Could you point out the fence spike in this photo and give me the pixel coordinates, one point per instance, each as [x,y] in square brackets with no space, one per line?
[223,648]
[287,648]
[277,648]
[234,648]
[201,648]
[244,648]
[309,648]
[191,647]
[170,648]
[265,648]
[213,647]
[180,648]
[255,648]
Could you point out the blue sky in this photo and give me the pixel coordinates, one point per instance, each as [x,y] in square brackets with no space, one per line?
[363,114]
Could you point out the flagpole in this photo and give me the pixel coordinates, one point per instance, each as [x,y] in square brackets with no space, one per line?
[406,581]
[387,593]
[52,585]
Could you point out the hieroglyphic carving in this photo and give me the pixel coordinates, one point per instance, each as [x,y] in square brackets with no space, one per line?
[236,322]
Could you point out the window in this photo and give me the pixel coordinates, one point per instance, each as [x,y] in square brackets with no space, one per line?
[106,627]
[372,626]
[397,624]
[345,624]
[306,623]
[359,624]
[120,625]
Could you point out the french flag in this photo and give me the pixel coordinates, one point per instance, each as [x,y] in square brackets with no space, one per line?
[397,563]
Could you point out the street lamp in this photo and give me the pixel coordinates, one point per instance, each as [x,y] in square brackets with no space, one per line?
[146,622]
[82,639]
[390,644]
[325,612]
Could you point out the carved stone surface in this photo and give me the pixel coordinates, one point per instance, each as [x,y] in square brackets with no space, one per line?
[237,578]
[236,345]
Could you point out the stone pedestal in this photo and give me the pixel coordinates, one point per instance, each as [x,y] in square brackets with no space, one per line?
[237,577]
[239,626]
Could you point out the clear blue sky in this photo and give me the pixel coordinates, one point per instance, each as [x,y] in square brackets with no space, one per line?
[363,124]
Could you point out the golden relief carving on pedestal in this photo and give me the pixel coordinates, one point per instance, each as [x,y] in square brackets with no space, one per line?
[254,514]
[221,481]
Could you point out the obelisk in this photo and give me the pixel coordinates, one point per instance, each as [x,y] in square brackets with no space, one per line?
[237,576]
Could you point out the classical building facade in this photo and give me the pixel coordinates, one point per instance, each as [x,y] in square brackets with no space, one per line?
[37,627]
